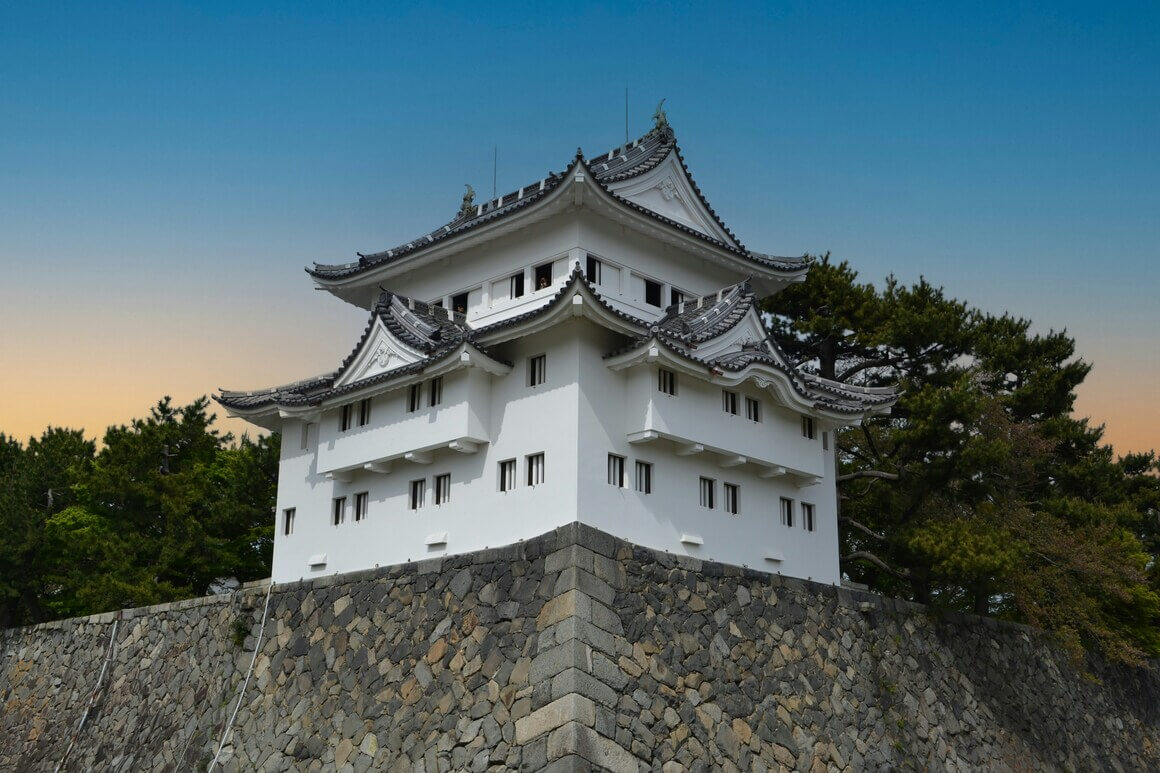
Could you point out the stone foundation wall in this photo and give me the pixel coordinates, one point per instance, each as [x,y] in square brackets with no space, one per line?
[572,651]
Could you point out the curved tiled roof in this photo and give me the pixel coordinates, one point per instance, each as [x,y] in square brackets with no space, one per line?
[623,163]
[701,319]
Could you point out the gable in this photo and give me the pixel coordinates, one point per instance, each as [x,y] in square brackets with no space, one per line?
[668,191]
[380,352]
[747,332]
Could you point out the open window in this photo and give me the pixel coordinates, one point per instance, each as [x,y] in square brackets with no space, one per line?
[459,303]
[517,285]
[543,276]
[652,293]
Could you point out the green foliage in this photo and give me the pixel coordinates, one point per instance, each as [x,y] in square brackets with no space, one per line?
[165,507]
[981,491]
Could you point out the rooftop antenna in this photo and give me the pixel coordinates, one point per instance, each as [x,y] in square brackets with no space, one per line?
[494,167]
[626,115]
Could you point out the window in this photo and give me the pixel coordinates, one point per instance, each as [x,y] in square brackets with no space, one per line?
[443,488]
[616,470]
[675,296]
[507,475]
[288,520]
[708,492]
[306,434]
[459,303]
[593,272]
[535,469]
[652,292]
[437,304]
[418,489]
[414,398]
[339,510]
[360,505]
[808,430]
[364,412]
[752,409]
[732,493]
[435,392]
[729,401]
[543,276]
[786,512]
[666,381]
[825,441]
[537,369]
[344,418]
[644,477]
[808,516]
[517,285]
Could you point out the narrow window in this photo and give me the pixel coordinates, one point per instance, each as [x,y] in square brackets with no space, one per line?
[825,441]
[652,292]
[507,475]
[459,303]
[786,512]
[644,477]
[360,505]
[616,470]
[435,392]
[344,418]
[443,488]
[729,401]
[752,409]
[418,489]
[675,296]
[288,521]
[732,493]
[535,469]
[537,369]
[808,516]
[808,430]
[364,412]
[666,381]
[708,492]
[517,285]
[306,434]
[593,272]
[339,510]
[414,398]
[543,273]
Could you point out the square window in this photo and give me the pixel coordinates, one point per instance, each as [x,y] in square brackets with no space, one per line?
[652,292]
[593,271]
[459,303]
[543,276]
[443,488]
[414,398]
[507,475]
[786,512]
[644,477]
[364,412]
[666,381]
[360,505]
[729,401]
[339,510]
[675,296]
[288,521]
[808,516]
[616,470]
[517,285]
[752,409]
[708,493]
[344,418]
[435,392]
[732,494]
[537,369]
[418,490]
[535,467]
[808,429]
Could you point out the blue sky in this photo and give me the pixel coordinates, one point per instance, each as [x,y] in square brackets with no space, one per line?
[166,170]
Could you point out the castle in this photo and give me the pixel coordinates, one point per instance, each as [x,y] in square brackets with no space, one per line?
[589,348]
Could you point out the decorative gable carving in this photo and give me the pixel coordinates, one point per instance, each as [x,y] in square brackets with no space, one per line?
[668,191]
[379,353]
[748,332]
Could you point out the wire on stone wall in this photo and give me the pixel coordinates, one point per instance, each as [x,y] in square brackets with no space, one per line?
[245,682]
[95,693]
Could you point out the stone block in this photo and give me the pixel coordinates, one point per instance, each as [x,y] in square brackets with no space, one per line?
[573,680]
[575,578]
[569,708]
[571,654]
[576,739]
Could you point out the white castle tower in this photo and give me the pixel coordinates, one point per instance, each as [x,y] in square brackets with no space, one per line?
[586,348]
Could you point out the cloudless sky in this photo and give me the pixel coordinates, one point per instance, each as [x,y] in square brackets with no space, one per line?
[168,169]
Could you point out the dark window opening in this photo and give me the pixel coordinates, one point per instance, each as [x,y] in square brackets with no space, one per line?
[459,303]
[652,292]
[593,273]
[517,283]
[675,296]
[543,276]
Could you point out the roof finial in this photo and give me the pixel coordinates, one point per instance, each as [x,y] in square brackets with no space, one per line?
[468,206]
[660,120]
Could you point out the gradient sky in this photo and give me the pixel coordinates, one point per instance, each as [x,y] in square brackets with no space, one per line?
[167,169]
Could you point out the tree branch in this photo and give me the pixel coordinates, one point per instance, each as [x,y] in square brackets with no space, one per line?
[868,474]
[868,557]
[862,528]
[883,363]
